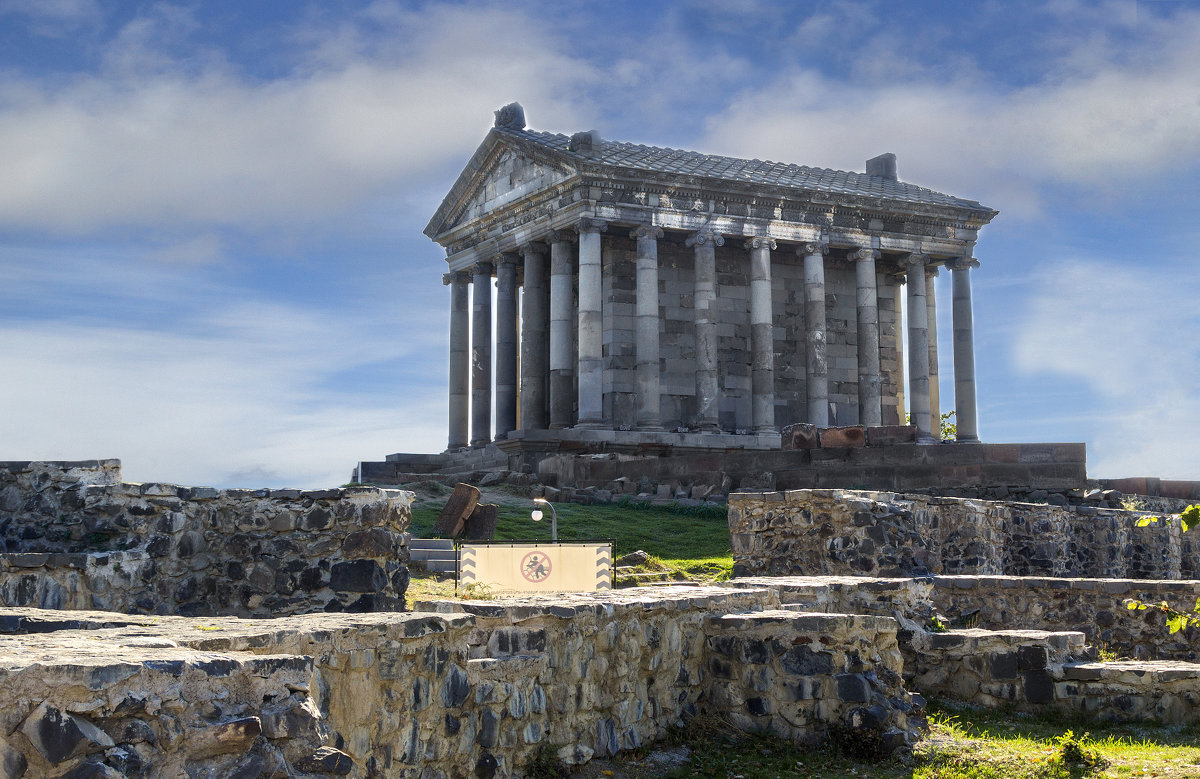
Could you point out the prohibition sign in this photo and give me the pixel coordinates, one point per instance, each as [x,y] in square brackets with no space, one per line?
[535,567]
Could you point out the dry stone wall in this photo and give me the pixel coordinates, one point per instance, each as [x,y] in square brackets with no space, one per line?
[78,538]
[475,689]
[837,532]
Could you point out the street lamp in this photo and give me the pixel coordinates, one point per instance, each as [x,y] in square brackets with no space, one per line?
[537,516]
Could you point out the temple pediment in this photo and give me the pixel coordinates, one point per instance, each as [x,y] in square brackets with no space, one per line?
[501,173]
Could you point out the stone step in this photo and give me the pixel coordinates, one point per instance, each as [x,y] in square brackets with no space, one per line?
[436,555]
[1166,691]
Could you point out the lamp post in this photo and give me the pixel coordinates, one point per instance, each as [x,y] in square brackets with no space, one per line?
[537,516]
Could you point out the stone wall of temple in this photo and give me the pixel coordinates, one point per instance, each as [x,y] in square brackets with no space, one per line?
[78,538]
[678,342]
[837,532]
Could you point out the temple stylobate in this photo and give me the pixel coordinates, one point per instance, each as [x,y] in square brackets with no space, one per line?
[644,293]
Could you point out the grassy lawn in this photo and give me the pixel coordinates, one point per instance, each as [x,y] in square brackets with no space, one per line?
[686,541]
[962,744]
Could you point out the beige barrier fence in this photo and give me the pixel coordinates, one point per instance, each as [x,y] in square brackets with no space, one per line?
[576,566]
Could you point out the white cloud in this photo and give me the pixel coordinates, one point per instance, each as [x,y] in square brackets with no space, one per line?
[1132,341]
[241,403]
[1129,117]
[155,142]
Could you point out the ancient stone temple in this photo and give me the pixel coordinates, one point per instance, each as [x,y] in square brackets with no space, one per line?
[651,294]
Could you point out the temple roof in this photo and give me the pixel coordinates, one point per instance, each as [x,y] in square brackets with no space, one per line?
[636,156]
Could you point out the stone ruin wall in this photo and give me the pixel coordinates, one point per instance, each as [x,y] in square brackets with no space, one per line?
[475,689]
[76,537]
[837,532]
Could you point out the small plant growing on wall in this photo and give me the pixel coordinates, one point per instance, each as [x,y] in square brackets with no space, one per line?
[1176,620]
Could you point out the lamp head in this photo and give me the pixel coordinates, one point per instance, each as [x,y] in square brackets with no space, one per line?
[536,515]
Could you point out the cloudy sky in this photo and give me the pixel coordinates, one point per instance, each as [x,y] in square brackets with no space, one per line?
[211,260]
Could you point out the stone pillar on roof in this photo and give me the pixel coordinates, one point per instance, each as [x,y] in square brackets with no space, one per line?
[762,336]
[649,380]
[481,354]
[562,306]
[534,346]
[935,387]
[964,351]
[870,401]
[816,360]
[506,344]
[460,358]
[704,300]
[918,348]
[591,324]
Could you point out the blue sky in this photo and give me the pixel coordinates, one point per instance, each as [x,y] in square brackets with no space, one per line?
[211,259]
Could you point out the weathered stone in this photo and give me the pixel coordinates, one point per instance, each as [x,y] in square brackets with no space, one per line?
[481,524]
[59,736]
[454,515]
[843,437]
[800,435]
[357,576]
[327,760]
[228,738]
[12,762]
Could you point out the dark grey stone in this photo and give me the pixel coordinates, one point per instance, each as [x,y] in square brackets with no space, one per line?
[853,688]
[803,661]
[357,576]
[326,760]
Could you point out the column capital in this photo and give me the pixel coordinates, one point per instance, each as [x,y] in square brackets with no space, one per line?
[705,235]
[963,263]
[931,271]
[534,247]
[507,258]
[916,258]
[589,225]
[760,242]
[456,277]
[483,268]
[811,248]
[647,231]
[560,236]
[862,255]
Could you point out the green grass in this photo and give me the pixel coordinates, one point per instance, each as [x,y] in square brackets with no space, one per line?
[962,744]
[686,536]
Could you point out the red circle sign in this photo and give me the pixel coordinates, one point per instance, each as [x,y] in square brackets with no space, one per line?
[535,567]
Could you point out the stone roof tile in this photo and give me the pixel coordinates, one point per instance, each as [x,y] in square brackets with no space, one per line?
[678,161]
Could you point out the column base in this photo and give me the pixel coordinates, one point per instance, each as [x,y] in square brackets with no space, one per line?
[652,427]
[927,439]
[709,428]
[765,430]
[972,439]
[592,424]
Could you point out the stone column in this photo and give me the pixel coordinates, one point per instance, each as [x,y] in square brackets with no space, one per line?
[506,344]
[762,336]
[870,399]
[964,351]
[901,381]
[816,362]
[704,301]
[591,325]
[918,349]
[534,352]
[935,393]
[481,354]
[649,381]
[460,358]
[562,358]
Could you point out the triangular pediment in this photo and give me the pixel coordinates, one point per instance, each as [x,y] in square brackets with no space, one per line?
[501,172]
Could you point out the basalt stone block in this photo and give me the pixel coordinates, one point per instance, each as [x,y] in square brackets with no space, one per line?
[1039,687]
[802,661]
[228,738]
[58,736]
[481,524]
[93,770]
[357,576]
[327,760]
[888,435]
[843,437]
[800,435]
[12,762]
[375,542]
[454,515]
[853,688]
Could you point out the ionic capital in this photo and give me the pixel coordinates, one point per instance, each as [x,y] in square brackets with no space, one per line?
[813,248]
[963,263]
[707,235]
[862,255]
[916,258]
[560,236]
[931,271]
[647,231]
[534,247]
[760,242]
[589,225]
[456,277]
[507,258]
[483,269]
